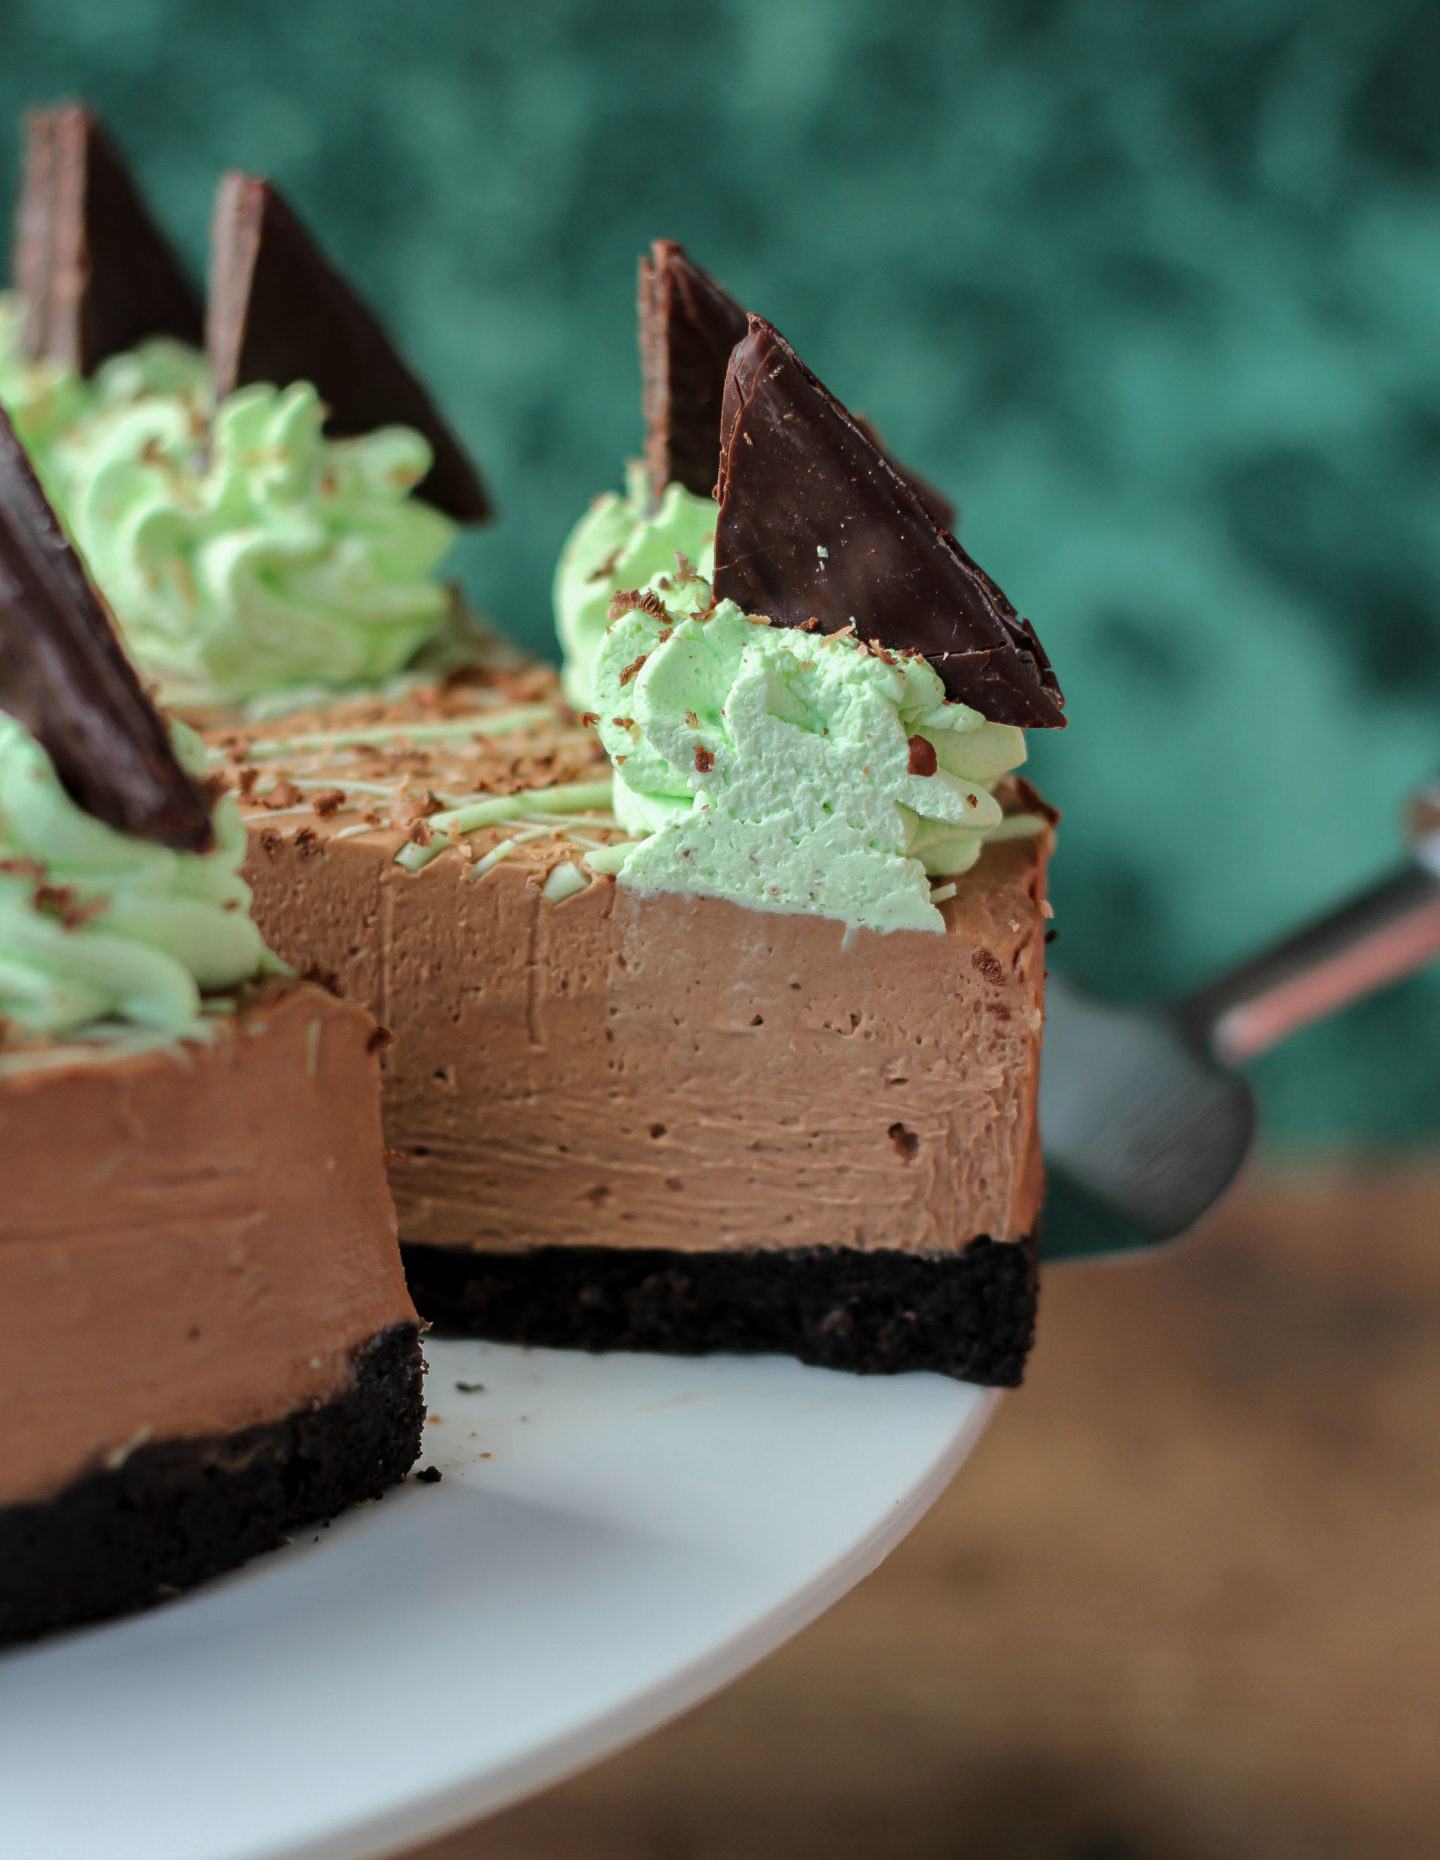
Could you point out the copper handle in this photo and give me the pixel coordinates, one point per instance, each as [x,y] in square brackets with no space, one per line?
[1376,938]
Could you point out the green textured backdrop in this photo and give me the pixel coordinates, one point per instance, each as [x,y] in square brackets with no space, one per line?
[1154,291]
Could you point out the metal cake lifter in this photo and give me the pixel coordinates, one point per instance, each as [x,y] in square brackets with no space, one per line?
[1144,1118]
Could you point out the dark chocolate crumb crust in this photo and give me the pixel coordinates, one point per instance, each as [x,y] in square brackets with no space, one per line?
[970,1316]
[181,1510]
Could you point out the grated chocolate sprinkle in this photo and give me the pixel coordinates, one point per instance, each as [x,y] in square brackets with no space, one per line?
[988,965]
[923,760]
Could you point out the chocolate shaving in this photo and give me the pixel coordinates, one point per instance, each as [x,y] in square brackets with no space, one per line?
[30,869]
[988,965]
[280,312]
[631,600]
[94,272]
[815,523]
[689,326]
[63,904]
[64,676]
[923,759]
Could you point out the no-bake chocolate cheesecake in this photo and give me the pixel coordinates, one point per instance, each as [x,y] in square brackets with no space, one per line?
[714,979]
[205,1336]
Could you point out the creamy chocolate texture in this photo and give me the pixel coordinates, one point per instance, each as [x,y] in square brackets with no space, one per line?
[193,1240]
[681,1072]
[575,1064]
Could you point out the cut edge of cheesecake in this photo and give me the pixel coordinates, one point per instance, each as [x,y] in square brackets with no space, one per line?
[205,1336]
[516,1004]
[175,1512]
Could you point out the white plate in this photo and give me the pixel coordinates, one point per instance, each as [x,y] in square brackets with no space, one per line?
[643,1530]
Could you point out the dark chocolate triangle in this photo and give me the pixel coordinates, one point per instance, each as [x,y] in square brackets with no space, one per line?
[95,273]
[688,326]
[938,506]
[64,676]
[280,312]
[815,524]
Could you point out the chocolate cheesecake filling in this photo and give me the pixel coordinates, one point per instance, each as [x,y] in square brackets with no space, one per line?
[194,1240]
[587,1065]
[681,1072]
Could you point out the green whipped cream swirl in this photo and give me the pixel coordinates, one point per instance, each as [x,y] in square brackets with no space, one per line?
[620,543]
[102,934]
[239,560]
[791,771]
[276,557]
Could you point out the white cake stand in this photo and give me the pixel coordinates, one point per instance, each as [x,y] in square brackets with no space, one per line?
[613,1538]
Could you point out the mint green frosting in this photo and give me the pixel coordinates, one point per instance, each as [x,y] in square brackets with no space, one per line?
[102,933]
[772,767]
[243,559]
[620,544]
[41,398]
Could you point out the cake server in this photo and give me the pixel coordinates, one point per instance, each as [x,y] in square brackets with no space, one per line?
[1144,1116]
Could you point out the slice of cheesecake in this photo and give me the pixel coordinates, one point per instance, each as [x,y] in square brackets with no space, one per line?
[716,1010]
[205,1336]
[669,1121]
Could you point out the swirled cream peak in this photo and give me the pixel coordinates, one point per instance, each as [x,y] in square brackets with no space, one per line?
[621,542]
[103,933]
[244,558]
[788,770]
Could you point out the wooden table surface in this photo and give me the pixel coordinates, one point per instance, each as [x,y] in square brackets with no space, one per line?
[1183,1602]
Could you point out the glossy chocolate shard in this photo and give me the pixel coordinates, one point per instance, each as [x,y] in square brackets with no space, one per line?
[95,273]
[279,311]
[66,679]
[938,506]
[688,327]
[815,524]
